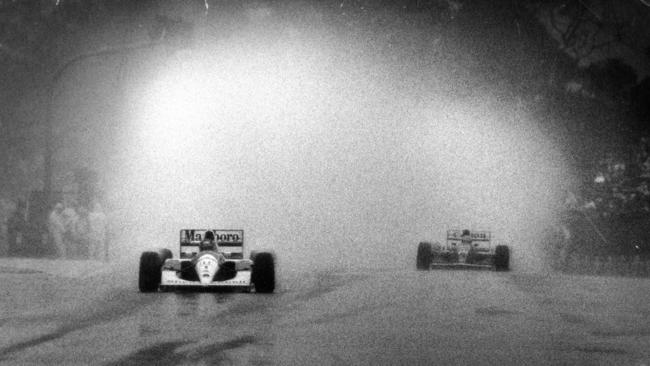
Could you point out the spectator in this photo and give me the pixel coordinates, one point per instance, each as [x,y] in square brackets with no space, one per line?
[570,200]
[15,229]
[4,215]
[97,232]
[80,233]
[70,219]
[56,229]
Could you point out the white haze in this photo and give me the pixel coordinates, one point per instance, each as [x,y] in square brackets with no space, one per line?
[326,162]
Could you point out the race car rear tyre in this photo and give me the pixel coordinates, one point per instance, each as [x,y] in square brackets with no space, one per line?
[150,271]
[502,258]
[263,276]
[423,260]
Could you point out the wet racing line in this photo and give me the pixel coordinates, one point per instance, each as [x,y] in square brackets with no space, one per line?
[230,310]
[339,317]
[121,304]
[173,354]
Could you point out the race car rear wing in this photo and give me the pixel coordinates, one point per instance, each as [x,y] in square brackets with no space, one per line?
[230,242]
[481,240]
[457,234]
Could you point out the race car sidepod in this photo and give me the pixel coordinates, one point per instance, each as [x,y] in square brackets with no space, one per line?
[207,270]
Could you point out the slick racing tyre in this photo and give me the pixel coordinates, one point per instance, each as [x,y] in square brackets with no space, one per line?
[423,260]
[150,270]
[263,276]
[502,258]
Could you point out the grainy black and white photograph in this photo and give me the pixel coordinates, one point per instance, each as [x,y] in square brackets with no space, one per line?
[324,182]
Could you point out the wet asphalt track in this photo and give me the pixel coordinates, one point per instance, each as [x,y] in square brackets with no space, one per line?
[361,317]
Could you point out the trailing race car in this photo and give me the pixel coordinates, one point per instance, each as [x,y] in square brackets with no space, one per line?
[464,249]
[209,259]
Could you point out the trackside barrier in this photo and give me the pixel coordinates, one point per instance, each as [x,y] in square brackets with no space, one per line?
[606,265]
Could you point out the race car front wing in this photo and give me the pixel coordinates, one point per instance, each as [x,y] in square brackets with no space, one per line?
[459,265]
[171,280]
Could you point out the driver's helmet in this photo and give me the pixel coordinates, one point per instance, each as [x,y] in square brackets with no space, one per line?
[465,236]
[208,245]
[208,242]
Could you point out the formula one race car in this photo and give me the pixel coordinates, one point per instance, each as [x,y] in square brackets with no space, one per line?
[209,259]
[464,249]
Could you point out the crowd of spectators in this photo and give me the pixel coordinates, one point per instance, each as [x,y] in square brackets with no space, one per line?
[70,231]
[76,232]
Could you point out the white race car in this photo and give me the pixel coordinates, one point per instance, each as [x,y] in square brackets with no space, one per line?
[209,259]
[464,249]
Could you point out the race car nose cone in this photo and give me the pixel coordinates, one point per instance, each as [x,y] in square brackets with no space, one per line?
[206,267]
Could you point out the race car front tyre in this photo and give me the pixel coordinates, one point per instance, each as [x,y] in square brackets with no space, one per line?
[150,271]
[423,260]
[502,258]
[263,275]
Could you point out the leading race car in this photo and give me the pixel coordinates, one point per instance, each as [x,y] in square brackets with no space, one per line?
[464,249]
[209,259]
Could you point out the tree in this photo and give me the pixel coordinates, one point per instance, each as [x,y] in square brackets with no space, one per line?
[613,79]
[597,29]
[640,105]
